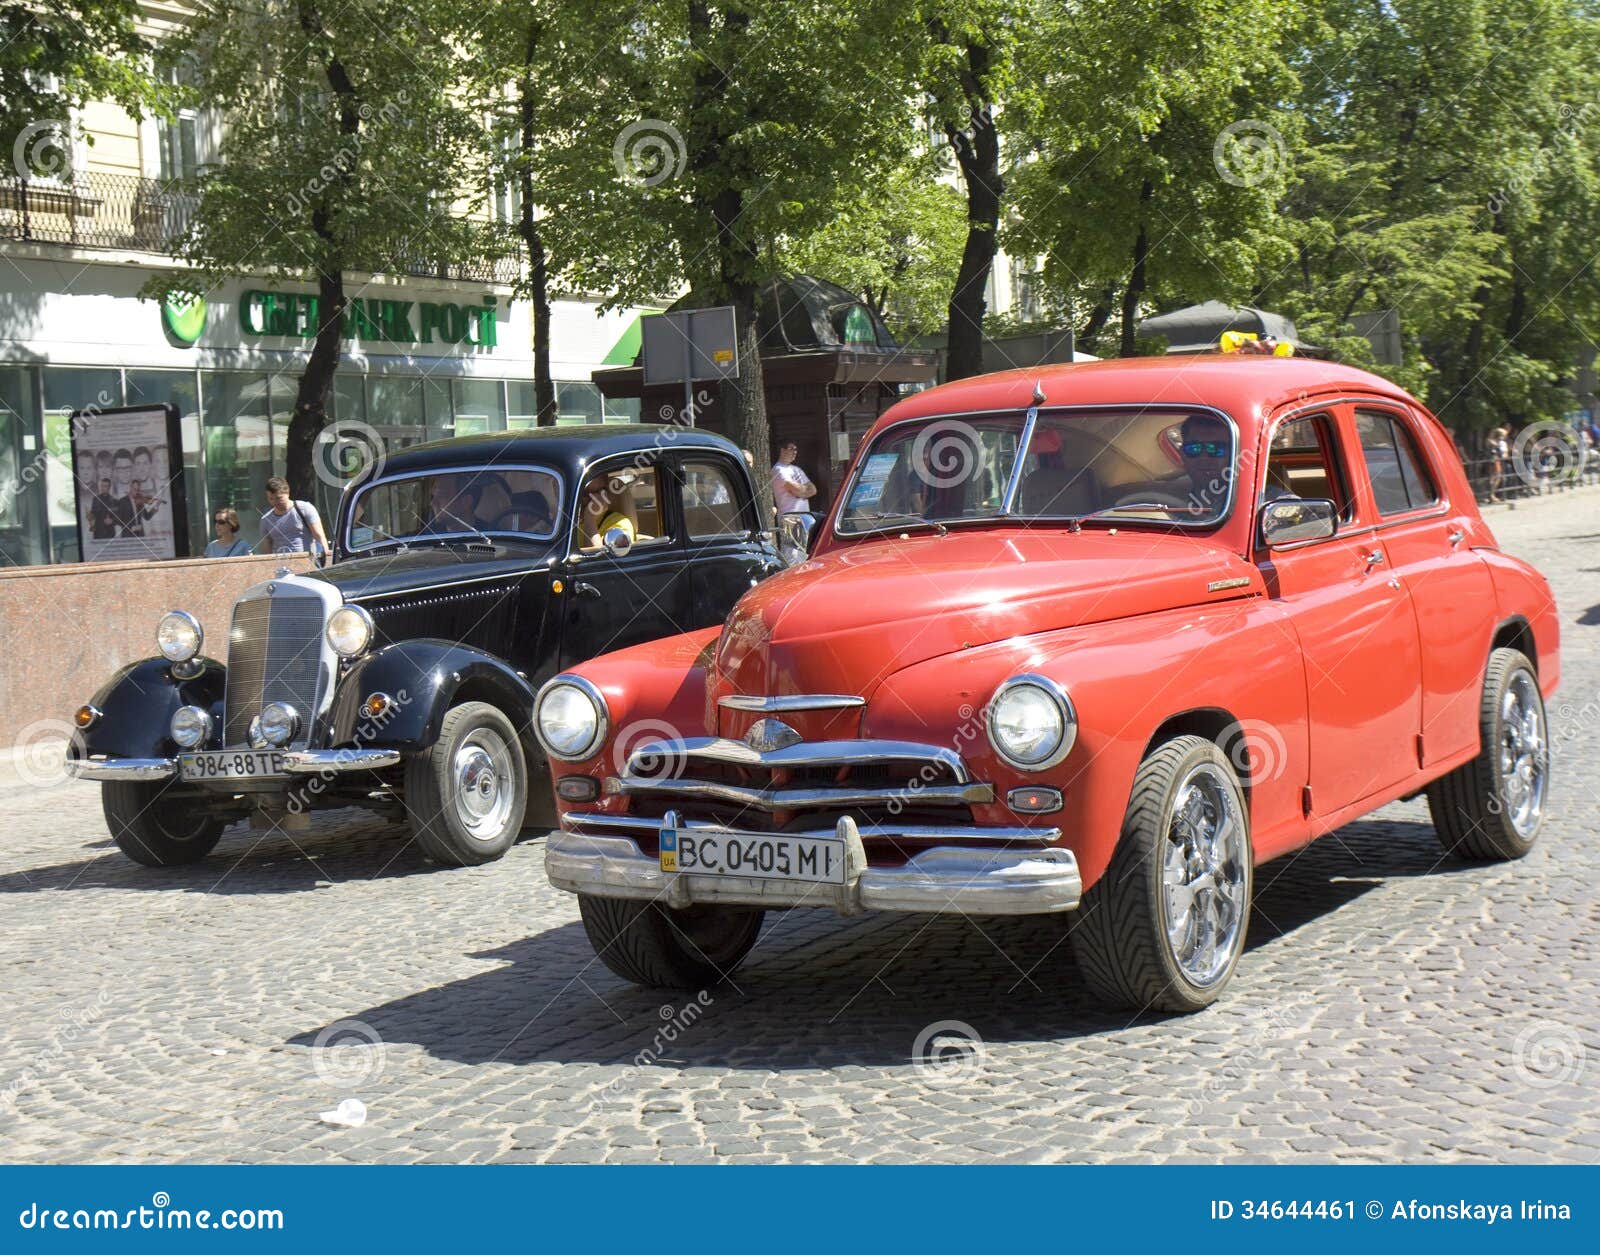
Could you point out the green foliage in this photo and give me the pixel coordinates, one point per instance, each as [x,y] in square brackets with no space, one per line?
[344,145]
[54,58]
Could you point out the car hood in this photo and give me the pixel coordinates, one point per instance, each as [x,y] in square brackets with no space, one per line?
[845,621]
[393,572]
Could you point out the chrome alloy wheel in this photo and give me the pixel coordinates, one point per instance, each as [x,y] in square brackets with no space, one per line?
[484,789]
[1203,876]
[1522,762]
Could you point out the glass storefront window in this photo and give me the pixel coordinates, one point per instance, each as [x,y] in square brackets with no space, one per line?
[21,535]
[523,409]
[238,444]
[349,400]
[67,389]
[395,401]
[436,408]
[577,401]
[480,405]
[180,388]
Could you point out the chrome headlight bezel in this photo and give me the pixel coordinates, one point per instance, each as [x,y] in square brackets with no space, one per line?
[277,723]
[187,636]
[196,729]
[364,625]
[1066,721]
[567,751]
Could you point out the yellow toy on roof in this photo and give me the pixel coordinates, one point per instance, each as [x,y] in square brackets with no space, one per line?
[1251,342]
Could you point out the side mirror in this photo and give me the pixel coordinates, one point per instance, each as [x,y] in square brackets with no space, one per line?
[796,534]
[1290,520]
[617,541]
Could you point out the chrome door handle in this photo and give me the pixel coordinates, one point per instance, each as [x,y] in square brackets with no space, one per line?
[1374,558]
[585,589]
[1455,536]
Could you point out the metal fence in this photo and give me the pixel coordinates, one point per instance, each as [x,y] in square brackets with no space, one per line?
[123,211]
[1506,479]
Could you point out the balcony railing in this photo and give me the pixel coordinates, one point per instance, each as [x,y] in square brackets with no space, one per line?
[123,211]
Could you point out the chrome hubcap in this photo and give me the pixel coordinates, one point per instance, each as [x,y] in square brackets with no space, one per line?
[481,771]
[1203,873]
[1522,754]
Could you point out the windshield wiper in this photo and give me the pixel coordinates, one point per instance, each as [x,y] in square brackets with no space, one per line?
[1075,524]
[913,520]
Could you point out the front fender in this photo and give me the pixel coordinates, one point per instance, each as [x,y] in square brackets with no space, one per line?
[425,678]
[137,703]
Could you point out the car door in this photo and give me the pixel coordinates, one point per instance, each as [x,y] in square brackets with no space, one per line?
[722,544]
[613,601]
[1352,618]
[1426,541]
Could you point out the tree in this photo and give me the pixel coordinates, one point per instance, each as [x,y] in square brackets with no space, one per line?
[1452,174]
[1155,141]
[55,59]
[727,127]
[898,242]
[343,145]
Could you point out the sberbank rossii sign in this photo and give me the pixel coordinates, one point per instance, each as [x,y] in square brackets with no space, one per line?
[294,314]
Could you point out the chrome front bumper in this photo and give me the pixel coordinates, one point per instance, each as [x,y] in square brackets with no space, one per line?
[102,768]
[296,762]
[971,881]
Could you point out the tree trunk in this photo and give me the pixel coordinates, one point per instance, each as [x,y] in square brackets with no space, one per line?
[1136,284]
[977,151]
[1099,316]
[544,390]
[316,383]
[735,267]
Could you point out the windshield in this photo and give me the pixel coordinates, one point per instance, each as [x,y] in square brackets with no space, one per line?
[1148,464]
[470,502]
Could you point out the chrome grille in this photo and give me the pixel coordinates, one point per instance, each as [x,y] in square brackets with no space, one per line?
[274,655]
[883,785]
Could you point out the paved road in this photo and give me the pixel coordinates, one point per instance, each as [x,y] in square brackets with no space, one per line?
[1391,1006]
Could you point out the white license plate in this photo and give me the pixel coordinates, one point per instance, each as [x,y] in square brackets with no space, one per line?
[757,855]
[231,765]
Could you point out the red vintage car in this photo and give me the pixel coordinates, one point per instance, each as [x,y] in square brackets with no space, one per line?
[1095,639]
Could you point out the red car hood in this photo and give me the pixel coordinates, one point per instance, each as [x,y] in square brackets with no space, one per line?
[845,621]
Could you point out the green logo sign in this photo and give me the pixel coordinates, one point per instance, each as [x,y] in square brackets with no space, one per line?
[296,315]
[185,315]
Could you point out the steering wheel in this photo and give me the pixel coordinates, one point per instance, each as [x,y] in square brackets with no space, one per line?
[1170,502]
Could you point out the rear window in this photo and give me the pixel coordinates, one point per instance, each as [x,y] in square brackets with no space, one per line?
[1400,477]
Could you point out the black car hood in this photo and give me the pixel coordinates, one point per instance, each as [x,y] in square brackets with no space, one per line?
[410,570]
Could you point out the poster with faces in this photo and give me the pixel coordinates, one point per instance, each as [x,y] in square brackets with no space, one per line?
[124,470]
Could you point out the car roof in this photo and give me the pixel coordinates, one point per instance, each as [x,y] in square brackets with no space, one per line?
[568,449]
[1244,387]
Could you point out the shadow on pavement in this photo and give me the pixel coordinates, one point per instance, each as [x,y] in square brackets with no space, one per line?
[824,992]
[344,845]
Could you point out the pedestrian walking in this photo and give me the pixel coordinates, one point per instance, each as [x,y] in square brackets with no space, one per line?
[1499,451]
[228,543]
[291,526]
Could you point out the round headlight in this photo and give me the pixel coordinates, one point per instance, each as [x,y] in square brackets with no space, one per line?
[178,636]
[1031,722]
[278,723]
[190,726]
[349,631]
[570,718]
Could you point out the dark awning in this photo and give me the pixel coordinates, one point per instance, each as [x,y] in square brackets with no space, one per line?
[1199,328]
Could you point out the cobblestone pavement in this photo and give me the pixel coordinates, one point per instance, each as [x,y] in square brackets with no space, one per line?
[1391,1006]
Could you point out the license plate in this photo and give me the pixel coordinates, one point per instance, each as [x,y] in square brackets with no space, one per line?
[757,855]
[231,765]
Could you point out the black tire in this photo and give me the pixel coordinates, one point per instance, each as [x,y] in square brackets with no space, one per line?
[477,750]
[1120,937]
[660,948]
[1475,808]
[155,829]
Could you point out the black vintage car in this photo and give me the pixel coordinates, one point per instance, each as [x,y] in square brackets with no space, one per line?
[403,676]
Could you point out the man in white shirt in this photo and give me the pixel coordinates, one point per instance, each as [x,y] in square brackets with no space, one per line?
[792,488]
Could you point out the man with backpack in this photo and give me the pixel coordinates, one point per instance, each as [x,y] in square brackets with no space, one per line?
[291,526]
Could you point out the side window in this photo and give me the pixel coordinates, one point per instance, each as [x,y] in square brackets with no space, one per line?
[711,504]
[1400,477]
[1304,462]
[625,496]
